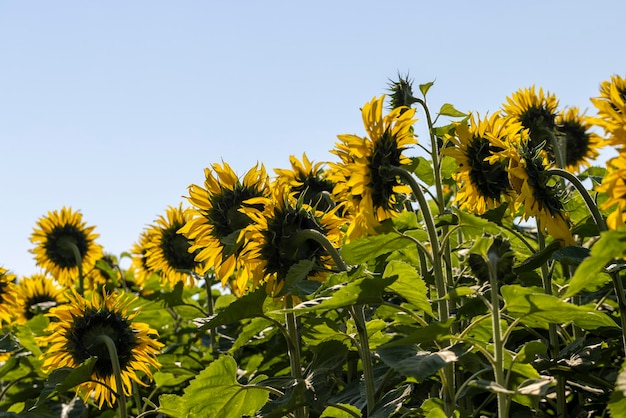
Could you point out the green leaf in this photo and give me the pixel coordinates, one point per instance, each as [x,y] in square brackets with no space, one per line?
[538,259]
[408,284]
[249,305]
[449,166]
[423,169]
[413,362]
[391,402]
[216,393]
[366,249]
[571,255]
[610,246]
[530,351]
[425,87]
[65,378]
[296,274]
[341,411]
[436,331]
[617,403]
[449,110]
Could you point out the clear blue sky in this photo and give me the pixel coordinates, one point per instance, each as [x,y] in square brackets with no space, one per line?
[115,107]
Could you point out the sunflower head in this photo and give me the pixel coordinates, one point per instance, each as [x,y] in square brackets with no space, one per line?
[611,107]
[38,294]
[74,338]
[217,219]
[536,112]
[62,243]
[614,186]
[401,93]
[139,262]
[581,145]
[279,238]
[364,177]
[307,181]
[9,297]
[169,251]
[484,183]
[537,192]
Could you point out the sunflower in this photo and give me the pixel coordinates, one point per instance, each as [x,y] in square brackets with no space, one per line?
[63,242]
[484,183]
[611,105]
[581,145]
[218,222]
[73,339]
[9,297]
[168,252]
[38,294]
[139,266]
[309,181]
[536,112]
[276,240]
[614,185]
[538,194]
[363,176]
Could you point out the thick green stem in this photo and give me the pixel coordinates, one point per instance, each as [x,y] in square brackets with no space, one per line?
[208,282]
[115,363]
[71,245]
[294,348]
[498,343]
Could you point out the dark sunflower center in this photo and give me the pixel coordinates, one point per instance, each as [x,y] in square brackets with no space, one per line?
[312,192]
[3,288]
[279,250]
[577,142]
[224,214]
[539,121]
[82,341]
[175,249]
[491,180]
[622,95]
[547,196]
[62,241]
[37,304]
[385,155]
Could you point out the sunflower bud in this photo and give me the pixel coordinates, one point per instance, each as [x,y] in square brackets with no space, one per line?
[401,93]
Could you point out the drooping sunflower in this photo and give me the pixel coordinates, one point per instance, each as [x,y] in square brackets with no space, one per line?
[276,240]
[614,185]
[168,251]
[139,265]
[581,145]
[309,181]
[538,194]
[63,241]
[536,112]
[9,297]
[74,338]
[484,182]
[38,294]
[363,178]
[611,106]
[217,222]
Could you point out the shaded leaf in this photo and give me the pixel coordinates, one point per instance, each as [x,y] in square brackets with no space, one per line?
[249,305]
[413,362]
[408,284]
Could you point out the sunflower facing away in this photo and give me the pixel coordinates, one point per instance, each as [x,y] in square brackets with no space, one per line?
[581,145]
[58,237]
[9,298]
[38,294]
[168,251]
[362,176]
[536,112]
[614,185]
[139,265]
[73,340]
[218,221]
[275,241]
[484,183]
[309,181]
[538,194]
[611,106]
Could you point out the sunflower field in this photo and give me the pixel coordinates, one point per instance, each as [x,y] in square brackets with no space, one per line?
[474,271]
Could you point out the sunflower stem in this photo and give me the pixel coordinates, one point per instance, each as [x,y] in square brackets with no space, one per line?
[115,363]
[71,245]
[208,282]
[559,149]
[294,348]
[498,343]
[321,239]
[591,204]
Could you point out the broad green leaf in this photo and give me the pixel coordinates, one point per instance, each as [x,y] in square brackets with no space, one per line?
[296,274]
[391,402]
[65,378]
[249,330]
[216,393]
[538,259]
[425,87]
[408,284]
[571,255]
[611,245]
[171,405]
[423,169]
[449,166]
[449,110]
[413,362]
[530,351]
[368,248]
[318,330]
[617,403]
[538,309]
[248,306]
[436,331]
[342,410]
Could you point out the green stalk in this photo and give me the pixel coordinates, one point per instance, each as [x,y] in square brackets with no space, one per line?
[115,363]
[71,245]
[208,282]
[294,348]
[498,343]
